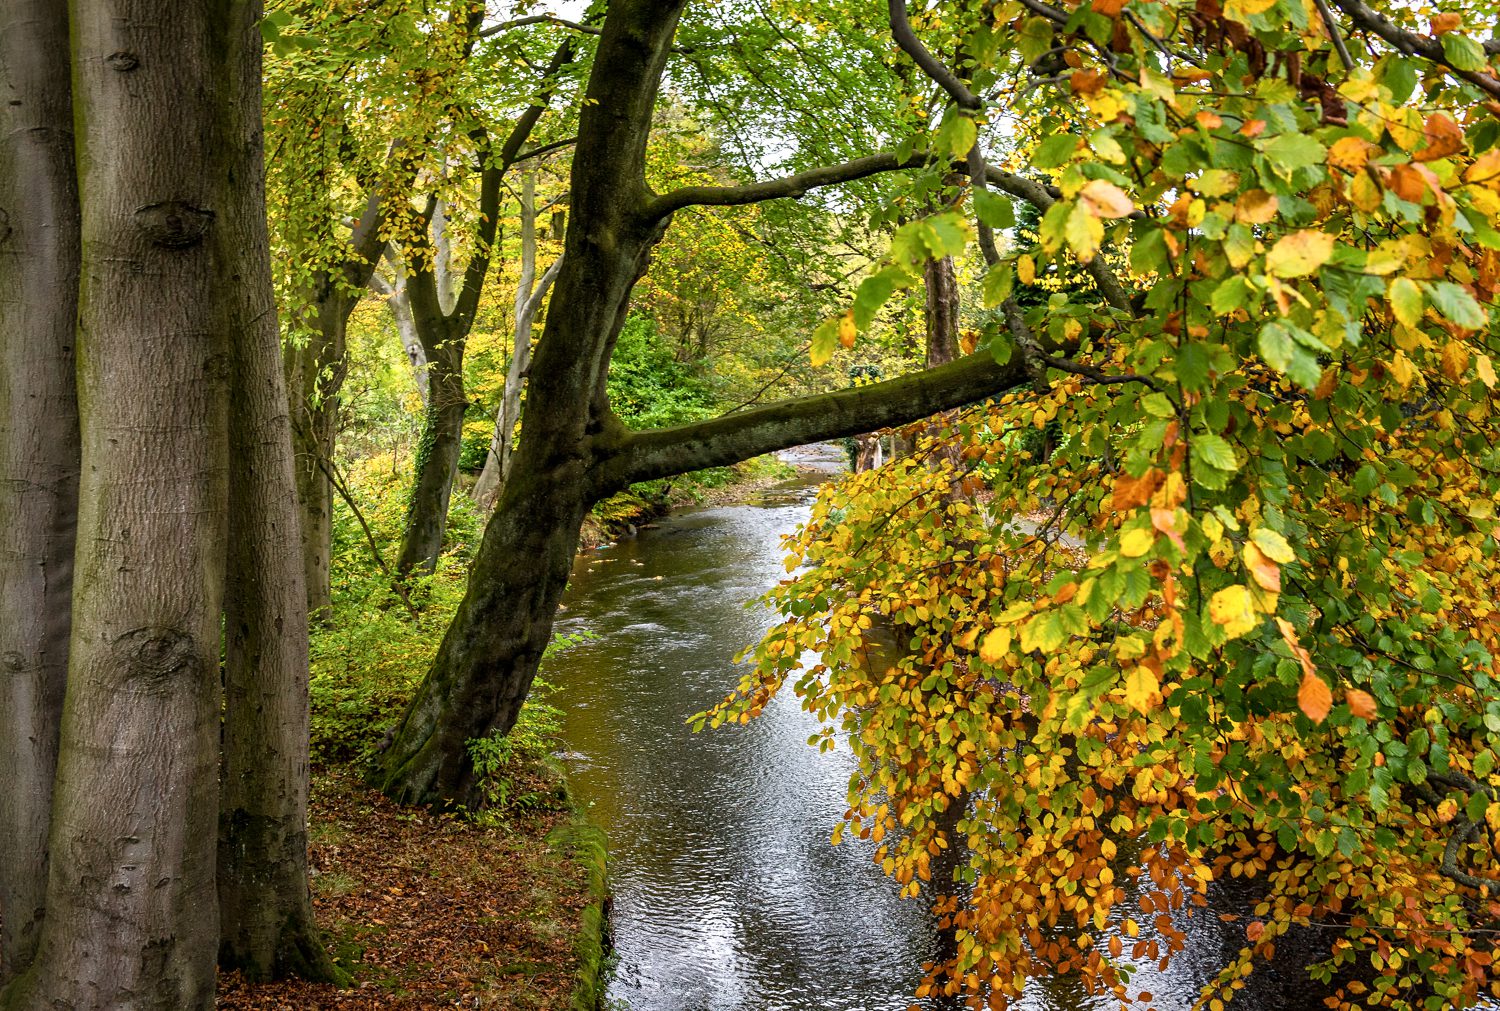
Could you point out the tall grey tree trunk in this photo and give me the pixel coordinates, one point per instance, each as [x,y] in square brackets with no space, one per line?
[265,908]
[38,446]
[132,919]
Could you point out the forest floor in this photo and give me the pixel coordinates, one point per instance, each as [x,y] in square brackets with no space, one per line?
[429,911]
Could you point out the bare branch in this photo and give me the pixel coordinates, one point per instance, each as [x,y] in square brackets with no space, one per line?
[538,19]
[1331,23]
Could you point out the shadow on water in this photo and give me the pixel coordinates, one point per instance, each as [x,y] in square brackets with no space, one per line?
[728,894]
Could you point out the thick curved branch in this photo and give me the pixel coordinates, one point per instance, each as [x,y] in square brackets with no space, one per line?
[934,68]
[1418,45]
[729,439]
[775,189]
[489,187]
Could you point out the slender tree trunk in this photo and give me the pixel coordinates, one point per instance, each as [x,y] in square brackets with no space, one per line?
[265,908]
[394,293]
[38,447]
[529,295]
[315,370]
[440,442]
[132,919]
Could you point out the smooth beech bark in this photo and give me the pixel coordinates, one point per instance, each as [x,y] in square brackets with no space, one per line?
[265,907]
[131,917]
[38,446]
[573,450]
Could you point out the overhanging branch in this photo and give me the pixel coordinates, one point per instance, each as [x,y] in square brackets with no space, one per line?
[729,439]
[1417,45]
[775,189]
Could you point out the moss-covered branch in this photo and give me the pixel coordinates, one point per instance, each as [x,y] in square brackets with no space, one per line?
[735,437]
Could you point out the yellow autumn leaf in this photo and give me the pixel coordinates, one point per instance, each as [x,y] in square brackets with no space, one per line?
[1255,207]
[1300,253]
[1402,369]
[1455,360]
[1105,200]
[1274,545]
[1485,369]
[1083,231]
[1230,608]
[1141,689]
[1239,10]
[996,644]
[1135,543]
[847,329]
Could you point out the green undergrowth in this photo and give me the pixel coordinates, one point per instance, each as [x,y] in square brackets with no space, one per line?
[585,844]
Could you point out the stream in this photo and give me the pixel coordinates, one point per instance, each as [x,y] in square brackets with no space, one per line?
[728,894]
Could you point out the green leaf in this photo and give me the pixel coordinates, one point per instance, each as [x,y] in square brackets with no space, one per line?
[956,135]
[994,210]
[824,339]
[1277,346]
[1213,451]
[875,291]
[1406,301]
[999,282]
[1055,151]
[1231,294]
[1455,302]
[1292,151]
[1463,52]
[1398,74]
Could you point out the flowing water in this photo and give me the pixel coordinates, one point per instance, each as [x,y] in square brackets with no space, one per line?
[728,895]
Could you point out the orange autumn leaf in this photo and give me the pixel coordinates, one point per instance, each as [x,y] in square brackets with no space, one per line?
[1444,137]
[1267,574]
[1135,491]
[1444,23]
[1314,697]
[1086,82]
[1361,703]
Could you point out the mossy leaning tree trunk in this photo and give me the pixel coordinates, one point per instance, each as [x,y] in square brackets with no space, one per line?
[38,446]
[574,451]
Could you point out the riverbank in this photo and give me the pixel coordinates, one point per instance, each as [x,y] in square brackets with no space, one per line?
[436,911]
[623,514]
